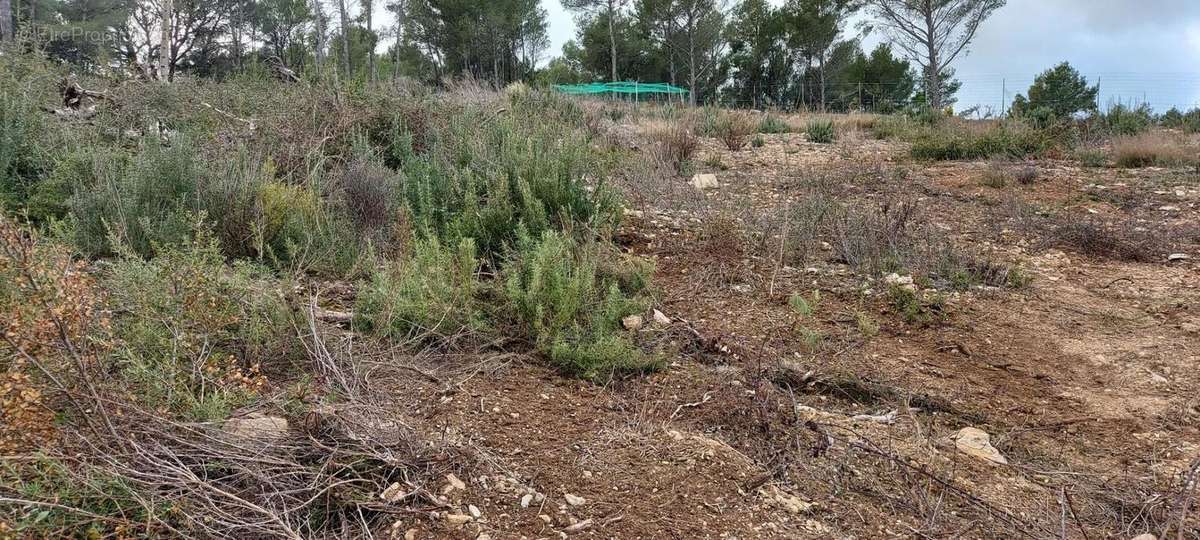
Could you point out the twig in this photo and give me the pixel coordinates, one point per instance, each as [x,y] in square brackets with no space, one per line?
[707,397]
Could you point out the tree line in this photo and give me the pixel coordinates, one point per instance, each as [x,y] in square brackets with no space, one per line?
[802,53]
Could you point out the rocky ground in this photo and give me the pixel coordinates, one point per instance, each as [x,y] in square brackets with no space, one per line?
[1064,408]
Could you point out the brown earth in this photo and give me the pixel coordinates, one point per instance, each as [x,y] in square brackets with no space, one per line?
[1086,379]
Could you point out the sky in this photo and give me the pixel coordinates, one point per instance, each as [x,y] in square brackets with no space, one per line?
[1139,50]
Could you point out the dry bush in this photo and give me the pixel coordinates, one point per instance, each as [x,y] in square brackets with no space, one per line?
[368,192]
[48,306]
[735,128]
[95,461]
[893,235]
[999,174]
[1026,175]
[1154,149]
[1126,241]
[722,243]
[995,176]
[676,144]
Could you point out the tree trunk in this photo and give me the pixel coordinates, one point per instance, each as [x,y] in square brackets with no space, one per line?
[6,20]
[345,17]
[821,74]
[693,79]
[318,35]
[164,46]
[236,33]
[933,73]
[369,7]
[399,35]
[612,37]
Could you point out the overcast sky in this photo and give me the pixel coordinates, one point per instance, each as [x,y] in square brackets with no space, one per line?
[1139,49]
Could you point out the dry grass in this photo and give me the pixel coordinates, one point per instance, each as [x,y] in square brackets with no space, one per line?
[1154,149]
[675,143]
[843,123]
[1000,174]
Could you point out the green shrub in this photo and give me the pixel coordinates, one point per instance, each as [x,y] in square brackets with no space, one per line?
[190,331]
[1122,120]
[78,493]
[1176,119]
[23,156]
[821,131]
[431,295]
[1093,158]
[571,310]
[487,177]
[148,202]
[1008,138]
[758,142]
[772,124]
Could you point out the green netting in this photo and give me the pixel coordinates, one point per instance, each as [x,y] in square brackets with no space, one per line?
[624,88]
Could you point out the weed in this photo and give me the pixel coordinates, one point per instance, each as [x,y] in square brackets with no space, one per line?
[714,162]
[821,132]
[722,241]
[1122,241]
[867,326]
[811,339]
[994,176]
[773,125]
[758,142]
[804,307]
[431,296]
[1026,175]
[917,308]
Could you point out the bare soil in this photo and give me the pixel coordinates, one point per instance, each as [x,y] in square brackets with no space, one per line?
[1086,379]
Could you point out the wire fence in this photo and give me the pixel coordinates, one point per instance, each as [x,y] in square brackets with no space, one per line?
[986,95]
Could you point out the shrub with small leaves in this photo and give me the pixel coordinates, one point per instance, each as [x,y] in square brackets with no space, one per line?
[821,132]
[773,125]
[572,311]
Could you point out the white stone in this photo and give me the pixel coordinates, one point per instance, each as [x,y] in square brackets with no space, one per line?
[705,181]
[977,443]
